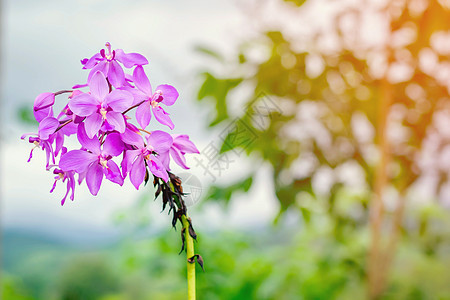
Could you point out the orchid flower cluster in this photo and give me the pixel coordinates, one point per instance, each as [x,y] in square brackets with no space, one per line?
[102,120]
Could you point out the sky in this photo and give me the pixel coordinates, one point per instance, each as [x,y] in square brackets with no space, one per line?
[41,50]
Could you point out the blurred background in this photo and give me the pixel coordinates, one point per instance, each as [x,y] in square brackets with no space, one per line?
[324,130]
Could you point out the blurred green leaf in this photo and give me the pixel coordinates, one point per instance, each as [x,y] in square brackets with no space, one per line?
[25,114]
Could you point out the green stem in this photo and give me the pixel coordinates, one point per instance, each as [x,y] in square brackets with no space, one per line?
[189,254]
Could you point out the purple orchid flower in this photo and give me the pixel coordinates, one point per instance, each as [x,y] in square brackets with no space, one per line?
[70,177]
[65,130]
[44,138]
[96,162]
[106,62]
[158,142]
[63,176]
[181,145]
[100,106]
[164,93]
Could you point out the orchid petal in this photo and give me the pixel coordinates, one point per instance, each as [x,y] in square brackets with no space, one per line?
[84,105]
[93,124]
[91,62]
[98,86]
[178,157]
[160,141]
[141,81]
[132,138]
[102,66]
[130,59]
[76,160]
[94,178]
[116,120]
[119,100]
[162,116]
[143,114]
[137,95]
[91,144]
[128,159]
[43,113]
[44,100]
[59,142]
[169,94]
[47,127]
[182,142]
[157,168]
[112,173]
[137,172]
[115,74]
[165,160]
[113,145]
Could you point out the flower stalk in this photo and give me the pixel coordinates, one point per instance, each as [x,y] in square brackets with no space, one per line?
[190,263]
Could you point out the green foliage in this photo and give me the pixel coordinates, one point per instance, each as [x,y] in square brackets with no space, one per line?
[276,263]
[225,194]
[25,115]
[87,277]
[217,89]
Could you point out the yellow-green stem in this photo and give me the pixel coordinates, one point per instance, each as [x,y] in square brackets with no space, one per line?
[190,253]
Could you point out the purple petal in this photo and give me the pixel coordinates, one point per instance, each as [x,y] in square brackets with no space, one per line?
[169,94]
[141,81]
[115,74]
[43,113]
[116,120]
[47,127]
[165,160]
[112,173]
[76,160]
[143,114]
[91,144]
[84,105]
[113,145]
[137,172]
[98,86]
[160,141]
[81,85]
[119,100]
[162,116]
[130,59]
[178,157]
[44,100]
[182,142]
[128,159]
[131,137]
[91,62]
[59,142]
[94,178]
[157,168]
[69,129]
[137,95]
[102,66]
[93,124]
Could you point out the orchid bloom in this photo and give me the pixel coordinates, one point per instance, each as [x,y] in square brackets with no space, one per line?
[180,146]
[107,63]
[44,138]
[96,162]
[164,93]
[106,130]
[100,106]
[63,176]
[158,142]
